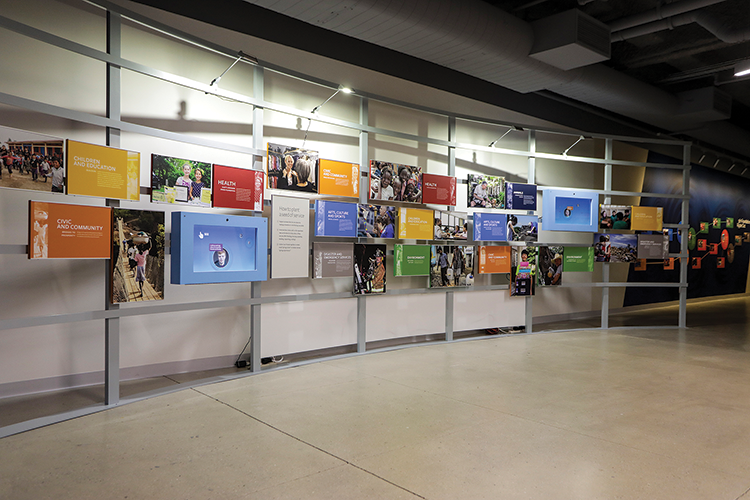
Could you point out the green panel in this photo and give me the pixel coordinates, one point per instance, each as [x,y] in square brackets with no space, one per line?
[411,260]
[578,259]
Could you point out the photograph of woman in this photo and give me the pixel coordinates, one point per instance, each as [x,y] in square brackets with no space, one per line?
[292,168]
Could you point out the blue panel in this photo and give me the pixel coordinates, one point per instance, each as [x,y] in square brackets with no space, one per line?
[214,248]
[335,218]
[489,226]
[570,210]
[520,196]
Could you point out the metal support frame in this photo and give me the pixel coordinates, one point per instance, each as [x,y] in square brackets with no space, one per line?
[112,325]
[608,152]
[255,287]
[684,221]
[364,186]
[449,295]
[531,179]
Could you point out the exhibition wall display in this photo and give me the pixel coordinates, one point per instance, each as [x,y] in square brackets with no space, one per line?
[490,227]
[338,178]
[550,266]
[292,168]
[520,196]
[239,188]
[451,226]
[494,260]
[451,266]
[333,260]
[180,181]
[569,210]
[290,237]
[486,191]
[395,182]
[335,218]
[32,161]
[411,260]
[216,248]
[439,189]
[376,221]
[102,171]
[415,223]
[369,269]
[523,271]
[137,263]
[60,231]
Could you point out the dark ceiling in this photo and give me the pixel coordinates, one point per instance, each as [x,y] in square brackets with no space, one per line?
[685,57]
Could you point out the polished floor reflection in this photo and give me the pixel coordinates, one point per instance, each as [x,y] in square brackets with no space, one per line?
[627,413]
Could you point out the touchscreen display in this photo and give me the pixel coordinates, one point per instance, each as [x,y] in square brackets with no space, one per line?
[222,248]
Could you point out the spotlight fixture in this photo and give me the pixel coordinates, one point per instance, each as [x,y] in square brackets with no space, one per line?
[731,167]
[742,68]
[511,129]
[703,157]
[240,55]
[716,163]
[345,90]
[743,172]
[580,138]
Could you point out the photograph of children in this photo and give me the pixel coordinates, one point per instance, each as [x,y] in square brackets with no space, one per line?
[137,255]
[292,168]
[450,226]
[486,191]
[175,180]
[522,228]
[376,221]
[451,266]
[31,161]
[550,261]
[615,247]
[702,245]
[614,216]
[394,182]
[522,271]
[369,269]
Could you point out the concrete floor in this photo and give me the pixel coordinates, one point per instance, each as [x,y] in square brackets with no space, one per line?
[622,413]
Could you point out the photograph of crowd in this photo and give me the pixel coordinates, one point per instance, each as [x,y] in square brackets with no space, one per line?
[394,182]
[550,263]
[137,255]
[176,180]
[486,191]
[31,161]
[292,168]
[614,216]
[451,266]
[450,226]
[376,221]
[369,269]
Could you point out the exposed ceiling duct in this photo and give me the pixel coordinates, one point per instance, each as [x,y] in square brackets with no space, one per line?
[483,41]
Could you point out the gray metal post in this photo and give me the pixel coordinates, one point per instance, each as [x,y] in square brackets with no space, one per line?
[364,162]
[112,325]
[685,219]
[531,179]
[255,287]
[449,295]
[608,152]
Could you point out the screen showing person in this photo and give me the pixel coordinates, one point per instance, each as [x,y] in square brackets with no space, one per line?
[223,248]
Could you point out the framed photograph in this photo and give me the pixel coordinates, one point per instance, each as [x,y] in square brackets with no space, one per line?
[292,168]
[522,227]
[137,255]
[450,226]
[615,217]
[550,263]
[451,266]
[376,221]
[395,182]
[369,269]
[523,271]
[32,161]
[179,181]
[486,191]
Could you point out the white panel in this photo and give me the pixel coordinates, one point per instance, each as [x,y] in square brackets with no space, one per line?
[489,309]
[399,316]
[305,326]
